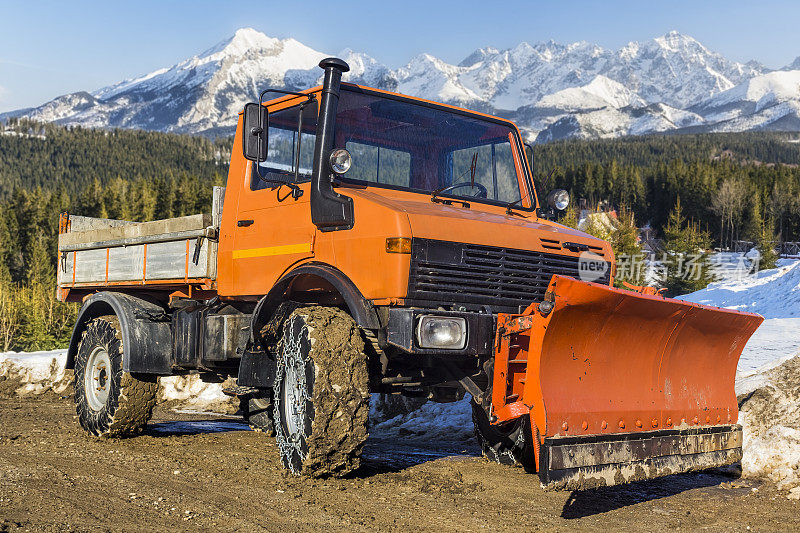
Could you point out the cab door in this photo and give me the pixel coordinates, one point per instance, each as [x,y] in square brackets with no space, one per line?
[273,227]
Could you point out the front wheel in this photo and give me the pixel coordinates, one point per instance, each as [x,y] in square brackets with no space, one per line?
[110,402]
[321,393]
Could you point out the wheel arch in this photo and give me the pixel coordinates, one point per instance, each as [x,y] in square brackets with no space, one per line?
[311,280]
[146,332]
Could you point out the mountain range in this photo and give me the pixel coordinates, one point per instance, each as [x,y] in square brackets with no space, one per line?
[553,91]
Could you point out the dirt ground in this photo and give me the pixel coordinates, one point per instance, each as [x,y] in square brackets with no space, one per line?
[194,472]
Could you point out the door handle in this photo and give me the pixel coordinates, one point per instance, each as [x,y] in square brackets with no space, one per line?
[244,223]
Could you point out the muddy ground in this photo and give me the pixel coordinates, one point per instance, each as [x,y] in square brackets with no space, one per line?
[195,472]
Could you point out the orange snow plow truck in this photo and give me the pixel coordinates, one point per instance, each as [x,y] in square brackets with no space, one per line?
[369,242]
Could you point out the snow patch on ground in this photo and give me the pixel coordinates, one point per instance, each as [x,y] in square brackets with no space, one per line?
[34,372]
[189,393]
[770,417]
[40,372]
[431,422]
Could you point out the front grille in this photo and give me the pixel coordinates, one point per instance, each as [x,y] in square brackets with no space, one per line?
[502,279]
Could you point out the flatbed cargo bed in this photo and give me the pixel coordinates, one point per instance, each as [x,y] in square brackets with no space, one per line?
[96,253]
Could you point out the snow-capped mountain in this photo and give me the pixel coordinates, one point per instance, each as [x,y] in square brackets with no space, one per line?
[670,83]
[769,101]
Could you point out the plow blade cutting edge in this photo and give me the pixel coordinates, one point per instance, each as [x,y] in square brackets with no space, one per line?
[620,386]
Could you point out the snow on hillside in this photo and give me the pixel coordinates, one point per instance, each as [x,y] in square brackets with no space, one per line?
[552,90]
[757,103]
[775,295]
[600,92]
[762,91]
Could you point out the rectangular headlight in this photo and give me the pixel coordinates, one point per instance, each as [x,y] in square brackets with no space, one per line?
[444,332]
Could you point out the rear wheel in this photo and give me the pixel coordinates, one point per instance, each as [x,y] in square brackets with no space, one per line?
[257,412]
[321,393]
[110,402]
[508,444]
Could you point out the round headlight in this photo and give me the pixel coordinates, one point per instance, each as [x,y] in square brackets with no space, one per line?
[340,160]
[558,199]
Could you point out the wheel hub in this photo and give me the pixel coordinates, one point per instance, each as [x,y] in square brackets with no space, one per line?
[97,378]
[293,392]
[293,400]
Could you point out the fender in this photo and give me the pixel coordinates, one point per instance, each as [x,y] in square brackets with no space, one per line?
[359,307]
[146,333]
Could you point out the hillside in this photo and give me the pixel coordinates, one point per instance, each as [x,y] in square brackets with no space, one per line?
[44,155]
[646,150]
[89,169]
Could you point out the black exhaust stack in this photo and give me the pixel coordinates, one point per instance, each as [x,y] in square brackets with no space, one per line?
[330,210]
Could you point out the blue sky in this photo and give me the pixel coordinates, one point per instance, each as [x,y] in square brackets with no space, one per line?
[52,48]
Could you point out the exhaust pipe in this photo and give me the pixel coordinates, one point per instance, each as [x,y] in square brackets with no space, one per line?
[330,210]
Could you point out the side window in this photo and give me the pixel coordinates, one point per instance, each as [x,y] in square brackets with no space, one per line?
[377,164]
[283,146]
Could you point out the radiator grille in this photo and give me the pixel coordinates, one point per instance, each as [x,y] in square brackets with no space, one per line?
[504,279]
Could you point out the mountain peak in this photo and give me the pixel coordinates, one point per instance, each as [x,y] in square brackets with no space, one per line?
[244,40]
[795,65]
[673,40]
[478,55]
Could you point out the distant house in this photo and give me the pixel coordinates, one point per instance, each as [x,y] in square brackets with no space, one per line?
[647,238]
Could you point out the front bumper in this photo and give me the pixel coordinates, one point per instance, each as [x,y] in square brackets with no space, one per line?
[583,462]
[402,325]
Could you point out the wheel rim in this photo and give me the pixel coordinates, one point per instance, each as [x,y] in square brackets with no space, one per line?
[293,399]
[97,378]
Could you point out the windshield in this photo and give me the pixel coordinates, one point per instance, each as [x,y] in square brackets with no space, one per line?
[401,144]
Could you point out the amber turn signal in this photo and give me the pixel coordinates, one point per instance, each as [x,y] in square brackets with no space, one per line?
[398,245]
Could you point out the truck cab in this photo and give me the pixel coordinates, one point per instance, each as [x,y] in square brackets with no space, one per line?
[419,175]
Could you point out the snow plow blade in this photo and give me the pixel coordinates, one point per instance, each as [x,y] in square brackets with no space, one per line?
[620,386]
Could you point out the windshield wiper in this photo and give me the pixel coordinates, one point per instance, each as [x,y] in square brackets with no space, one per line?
[472,167]
[450,201]
[510,205]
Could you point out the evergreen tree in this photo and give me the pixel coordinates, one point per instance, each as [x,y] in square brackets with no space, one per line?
[754,224]
[628,250]
[765,244]
[687,266]
[570,217]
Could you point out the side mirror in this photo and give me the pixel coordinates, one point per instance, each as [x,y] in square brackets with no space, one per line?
[254,134]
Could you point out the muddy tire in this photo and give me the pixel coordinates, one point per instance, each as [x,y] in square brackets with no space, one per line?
[321,393]
[110,402]
[257,412]
[508,444]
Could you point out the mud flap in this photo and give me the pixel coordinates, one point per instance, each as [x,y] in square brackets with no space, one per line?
[637,379]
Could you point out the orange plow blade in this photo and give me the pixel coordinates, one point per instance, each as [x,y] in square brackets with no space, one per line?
[621,386]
